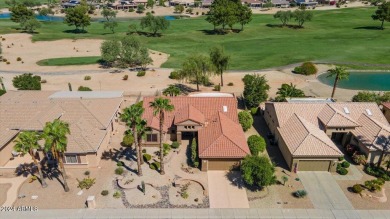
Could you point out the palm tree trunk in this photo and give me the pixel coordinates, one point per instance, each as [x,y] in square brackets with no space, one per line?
[162,172]
[334,86]
[138,152]
[44,184]
[60,157]
[197,82]
[380,159]
[382,24]
[222,78]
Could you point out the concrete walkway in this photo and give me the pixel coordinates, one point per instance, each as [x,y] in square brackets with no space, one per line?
[198,213]
[323,191]
[354,174]
[12,193]
[226,192]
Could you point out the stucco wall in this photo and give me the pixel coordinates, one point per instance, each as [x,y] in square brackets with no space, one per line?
[284,149]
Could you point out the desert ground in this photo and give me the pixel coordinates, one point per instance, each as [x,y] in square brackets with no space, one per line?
[58,77]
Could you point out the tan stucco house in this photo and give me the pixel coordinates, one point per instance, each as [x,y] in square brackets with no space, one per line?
[92,118]
[213,119]
[307,133]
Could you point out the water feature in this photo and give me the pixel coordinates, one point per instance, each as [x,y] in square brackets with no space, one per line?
[39,17]
[377,81]
[170,18]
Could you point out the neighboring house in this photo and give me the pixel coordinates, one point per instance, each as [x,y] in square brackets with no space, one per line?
[92,118]
[221,140]
[386,110]
[307,133]
[307,3]
[253,3]
[280,3]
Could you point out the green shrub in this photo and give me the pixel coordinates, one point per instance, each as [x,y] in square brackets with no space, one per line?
[119,164]
[175,145]
[131,9]
[174,75]
[144,150]
[141,73]
[125,77]
[342,171]
[377,172]
[155,166]
[217,87]
[119,171]
[194,153]
[82,88]
[245,119]
[345,164]
[147,157]
[341,158]
[254,110]
[117,194]
[300,193]
[184,195]
[18,59]
[87,78]
[2,92]
[230,84]
[256,144]
[166,149]
[27,82]
[357,188]
[375,184]
[104,193]
[8,62]
[307,68]
[87,173]
[86,183]
[128,140]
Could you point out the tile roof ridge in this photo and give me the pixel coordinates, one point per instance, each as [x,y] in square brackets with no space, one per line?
[220,114]
[343,115]
[381,127]
[323,142]
[81,102]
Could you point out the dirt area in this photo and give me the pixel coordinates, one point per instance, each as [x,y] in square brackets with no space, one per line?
[368,200]
[3,192]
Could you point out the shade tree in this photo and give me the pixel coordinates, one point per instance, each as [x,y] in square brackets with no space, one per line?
[154,24]
[255,89]
[382,13]
[78,17]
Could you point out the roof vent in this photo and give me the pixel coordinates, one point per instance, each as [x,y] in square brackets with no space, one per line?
[346,110]
[368,112]
[225,109]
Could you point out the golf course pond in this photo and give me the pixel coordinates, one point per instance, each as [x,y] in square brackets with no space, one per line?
[376,81]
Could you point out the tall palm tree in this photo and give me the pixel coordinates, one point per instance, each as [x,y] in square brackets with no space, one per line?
[141,129]
[56,141]
[340,73]
[132,116]
[219,60]
[27,142]
[288,90]
[160,106]
[172,90]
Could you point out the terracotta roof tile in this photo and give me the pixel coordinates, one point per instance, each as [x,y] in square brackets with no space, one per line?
[189,113]
[386,105]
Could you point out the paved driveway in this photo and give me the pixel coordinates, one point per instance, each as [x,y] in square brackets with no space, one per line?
[223,193]
[323,191]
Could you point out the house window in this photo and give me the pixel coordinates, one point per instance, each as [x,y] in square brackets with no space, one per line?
[71,159]
[151,137]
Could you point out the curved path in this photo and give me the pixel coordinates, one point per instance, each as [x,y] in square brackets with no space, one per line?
[12,193]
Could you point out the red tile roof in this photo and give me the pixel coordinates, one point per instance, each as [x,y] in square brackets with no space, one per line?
[386,105]
[221,135]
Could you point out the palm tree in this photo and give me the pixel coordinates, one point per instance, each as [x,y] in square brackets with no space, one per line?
[172,90]
[56,141]
[387,163]
[141,129]
[288,90]
[27,142]
[339,73]
[160,106]
[132,116]
[219,60]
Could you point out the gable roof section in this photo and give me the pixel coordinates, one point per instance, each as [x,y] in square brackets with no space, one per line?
[30,110]
[208,106]
[304,139]
[332,117]
[189,113]
[222,138]
[372,133]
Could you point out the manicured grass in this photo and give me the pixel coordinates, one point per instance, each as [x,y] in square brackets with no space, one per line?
[69,61]
[344,35]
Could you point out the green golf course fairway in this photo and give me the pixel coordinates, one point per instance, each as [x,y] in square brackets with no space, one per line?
[344,36]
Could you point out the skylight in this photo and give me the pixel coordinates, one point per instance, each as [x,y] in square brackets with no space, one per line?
[346,110]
